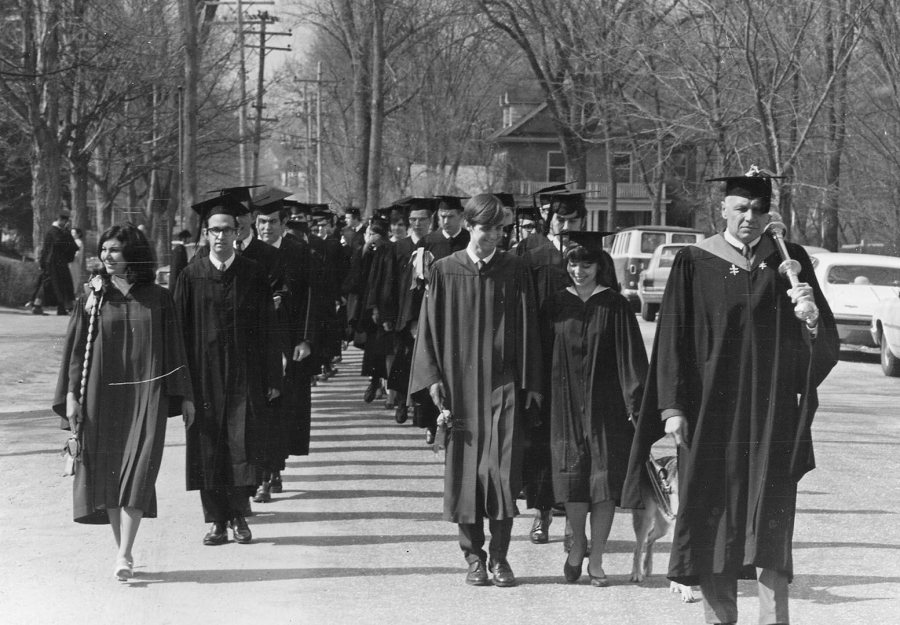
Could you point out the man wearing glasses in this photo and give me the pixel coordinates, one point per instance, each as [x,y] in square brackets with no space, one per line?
[228,317]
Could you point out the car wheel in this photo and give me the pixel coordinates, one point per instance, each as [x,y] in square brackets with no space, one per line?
[648,311]
[890,364]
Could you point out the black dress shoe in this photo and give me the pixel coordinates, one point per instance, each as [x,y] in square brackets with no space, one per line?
[241,531]
[263,493]
[572,572]
[429,437]
[369,395]
[540,528]
[275,484]
[38,310]
[477,574]
[400,413]
[217,535]
[503,575]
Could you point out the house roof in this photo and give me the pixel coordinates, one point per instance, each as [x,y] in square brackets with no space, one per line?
[519,129]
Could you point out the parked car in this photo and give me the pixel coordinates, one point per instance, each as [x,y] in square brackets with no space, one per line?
[854,285]
[652,282]
[885,331]
[632,247]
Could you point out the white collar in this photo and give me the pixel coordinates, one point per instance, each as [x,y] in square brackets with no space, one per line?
[475,259]
[245,242]
[414,238]
[218,264]
[597,289]
[733,241]
[450,237]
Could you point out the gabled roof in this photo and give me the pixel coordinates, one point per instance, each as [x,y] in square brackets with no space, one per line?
[516,128]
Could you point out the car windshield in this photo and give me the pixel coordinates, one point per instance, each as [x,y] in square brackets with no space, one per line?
[684,238]
[652,240]
[864,275]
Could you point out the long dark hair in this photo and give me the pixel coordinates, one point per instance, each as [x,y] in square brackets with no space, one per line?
[135,249]
[606,268]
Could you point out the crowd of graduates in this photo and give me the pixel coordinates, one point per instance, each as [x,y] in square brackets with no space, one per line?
[498,330]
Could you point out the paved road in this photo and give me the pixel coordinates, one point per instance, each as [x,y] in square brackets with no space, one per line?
[357,536]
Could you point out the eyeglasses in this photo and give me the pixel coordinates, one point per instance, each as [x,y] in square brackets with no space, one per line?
[527,226]
[217,232]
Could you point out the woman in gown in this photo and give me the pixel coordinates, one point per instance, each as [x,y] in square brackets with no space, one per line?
[137,377]
[599,364]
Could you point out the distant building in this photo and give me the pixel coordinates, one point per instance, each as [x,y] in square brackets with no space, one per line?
[528,157]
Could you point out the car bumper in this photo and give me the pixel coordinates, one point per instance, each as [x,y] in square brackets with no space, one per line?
[855,330]
[652,296]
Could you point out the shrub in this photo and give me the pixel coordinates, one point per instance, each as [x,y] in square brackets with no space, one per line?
[17,280]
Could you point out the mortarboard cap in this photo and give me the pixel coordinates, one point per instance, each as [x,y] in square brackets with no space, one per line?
[567,203]
[755,184]
[353,211]
[452,202]
[410,204]
[592,242]
[270,200]
[242,193]
[507,199]
[220,205]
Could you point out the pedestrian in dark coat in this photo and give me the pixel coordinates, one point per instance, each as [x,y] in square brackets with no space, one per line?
[478,355]
[136,378]
[228,316]
[58,250]
[736,361]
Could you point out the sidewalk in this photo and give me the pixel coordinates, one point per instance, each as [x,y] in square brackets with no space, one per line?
[356,537]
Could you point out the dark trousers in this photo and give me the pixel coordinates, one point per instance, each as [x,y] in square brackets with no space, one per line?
[471,539]
[220,505]
[720,597]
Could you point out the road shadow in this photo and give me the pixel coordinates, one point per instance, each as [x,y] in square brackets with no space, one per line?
[365,494]
[860,355]
[301,464]
[352,477]
[240,576]
[819,588]
[346,438]
[271,518]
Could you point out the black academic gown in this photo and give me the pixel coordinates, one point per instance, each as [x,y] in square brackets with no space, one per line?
[137,379]
[402,303]
[177,264]
[300,313]
[478,334]
[730,354]
[598,366]
[230,334]
[441,247]
[548,270]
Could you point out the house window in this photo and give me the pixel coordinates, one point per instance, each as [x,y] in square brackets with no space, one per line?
[556,167]
[622,166]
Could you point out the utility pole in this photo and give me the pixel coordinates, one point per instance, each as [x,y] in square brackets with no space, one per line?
[318,141]
[306,156]
[262,20]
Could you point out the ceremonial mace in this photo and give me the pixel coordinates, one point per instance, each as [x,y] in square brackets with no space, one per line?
[790,267]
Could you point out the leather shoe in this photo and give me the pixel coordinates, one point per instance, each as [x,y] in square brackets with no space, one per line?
[241,530]
[598,581]
[263,493]
[217,535]
[540,528]
[400,413]
[38,310]
[572,572]
[503,575]
[429,437]
[369,395]
[477,574]
[275,484]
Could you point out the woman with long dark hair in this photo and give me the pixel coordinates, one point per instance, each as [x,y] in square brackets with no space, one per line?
[118,399]
[599,364]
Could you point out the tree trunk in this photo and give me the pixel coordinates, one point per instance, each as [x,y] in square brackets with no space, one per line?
[189,18]
[612,202]
[373,178]
[358,36]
